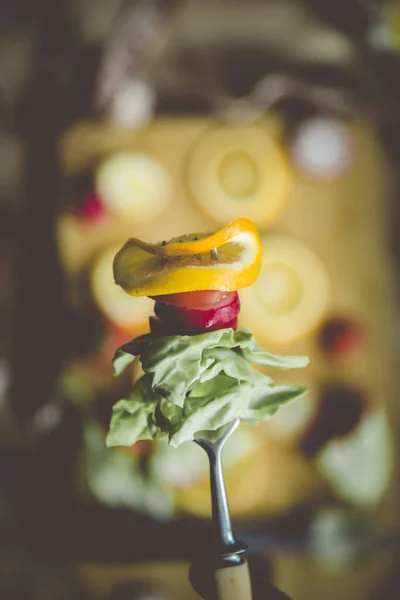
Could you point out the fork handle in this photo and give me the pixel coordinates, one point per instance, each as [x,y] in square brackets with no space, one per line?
[233,582]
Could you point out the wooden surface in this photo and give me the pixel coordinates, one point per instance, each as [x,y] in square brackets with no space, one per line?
[346,225]
[171,577]
[341,225]
[299,578]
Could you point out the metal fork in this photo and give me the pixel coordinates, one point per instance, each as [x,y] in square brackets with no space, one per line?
[231,574]
[213,442]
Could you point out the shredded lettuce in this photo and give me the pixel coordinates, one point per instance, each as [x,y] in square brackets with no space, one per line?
[197,383]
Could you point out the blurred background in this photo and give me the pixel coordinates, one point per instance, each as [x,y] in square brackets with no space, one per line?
[152,118]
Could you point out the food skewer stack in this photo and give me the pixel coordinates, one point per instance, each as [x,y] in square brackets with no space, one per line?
[210,387]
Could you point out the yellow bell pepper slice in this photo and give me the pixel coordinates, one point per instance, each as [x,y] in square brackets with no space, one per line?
[189,263]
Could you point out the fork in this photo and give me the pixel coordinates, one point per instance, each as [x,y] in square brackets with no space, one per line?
[231,576]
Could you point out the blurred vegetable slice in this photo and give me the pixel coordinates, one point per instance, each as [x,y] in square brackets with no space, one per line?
[291,293]
[134,185]
[239,169]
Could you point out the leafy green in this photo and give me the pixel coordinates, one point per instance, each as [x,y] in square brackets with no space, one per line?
[359,466]
[195,383]
[251,403]
[117,480]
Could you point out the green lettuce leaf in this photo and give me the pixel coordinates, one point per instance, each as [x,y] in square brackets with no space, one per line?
[177,362]
[195,383]
[250,403]
[359,466]
[132,417]
[117,480]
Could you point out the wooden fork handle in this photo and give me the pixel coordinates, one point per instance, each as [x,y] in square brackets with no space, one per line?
[219,580]
[233,582]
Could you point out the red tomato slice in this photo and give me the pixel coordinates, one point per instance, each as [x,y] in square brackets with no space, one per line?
[206,318]
[199,299]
